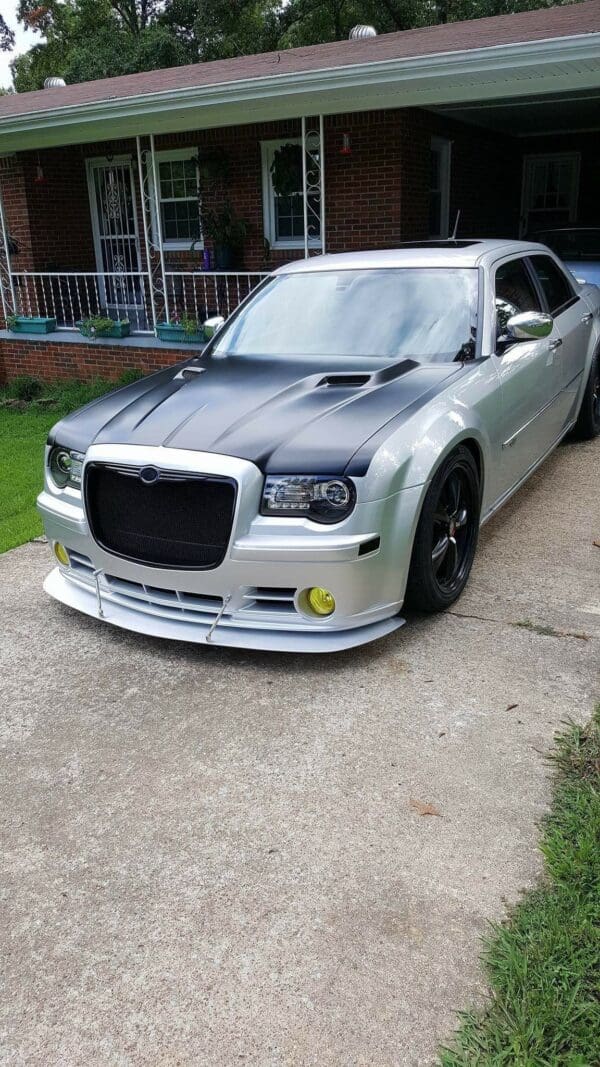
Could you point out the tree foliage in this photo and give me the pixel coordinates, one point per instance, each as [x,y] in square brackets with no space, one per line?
[7,37]
[81,40]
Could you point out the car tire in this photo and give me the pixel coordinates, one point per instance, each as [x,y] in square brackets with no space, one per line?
[446,537]
[588,420]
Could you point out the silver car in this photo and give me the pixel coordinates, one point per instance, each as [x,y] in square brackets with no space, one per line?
[331,454]
[579,249]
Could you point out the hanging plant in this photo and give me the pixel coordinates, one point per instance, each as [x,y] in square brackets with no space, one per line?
[213,167]
[286,170]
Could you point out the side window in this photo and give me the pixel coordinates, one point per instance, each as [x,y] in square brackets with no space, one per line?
[514,292]
[557,288]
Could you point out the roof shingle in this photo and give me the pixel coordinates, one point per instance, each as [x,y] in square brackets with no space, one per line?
[541,24]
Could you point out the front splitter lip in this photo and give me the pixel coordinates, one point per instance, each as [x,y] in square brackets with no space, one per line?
[225,634]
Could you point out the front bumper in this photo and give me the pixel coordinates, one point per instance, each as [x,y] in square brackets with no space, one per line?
[230,631]
[252,600]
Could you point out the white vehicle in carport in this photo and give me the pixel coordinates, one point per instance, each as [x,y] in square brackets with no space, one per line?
[331,454]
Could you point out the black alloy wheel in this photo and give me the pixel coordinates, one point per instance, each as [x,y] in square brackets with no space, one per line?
[446,536]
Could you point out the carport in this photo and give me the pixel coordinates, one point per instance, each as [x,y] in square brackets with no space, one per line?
[555,137]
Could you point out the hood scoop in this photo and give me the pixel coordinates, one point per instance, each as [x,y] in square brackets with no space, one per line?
[360,379]
[187,374]
[355,381]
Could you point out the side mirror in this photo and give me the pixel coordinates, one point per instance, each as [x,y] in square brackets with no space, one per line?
[212,326]
[529,326]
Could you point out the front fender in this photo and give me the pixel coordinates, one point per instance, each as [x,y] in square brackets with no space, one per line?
[470,413]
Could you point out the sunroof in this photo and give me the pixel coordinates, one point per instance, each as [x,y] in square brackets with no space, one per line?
[438,244]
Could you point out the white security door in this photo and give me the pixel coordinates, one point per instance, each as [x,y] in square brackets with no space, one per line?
[116,240]
[550,191]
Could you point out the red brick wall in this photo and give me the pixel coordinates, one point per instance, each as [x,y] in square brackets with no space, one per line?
[16,211]
[51,361]
[59,209]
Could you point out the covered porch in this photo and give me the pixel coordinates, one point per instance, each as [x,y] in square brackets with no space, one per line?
[156,231]
[165,198]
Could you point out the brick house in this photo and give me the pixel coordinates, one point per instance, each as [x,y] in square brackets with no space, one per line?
[342,146]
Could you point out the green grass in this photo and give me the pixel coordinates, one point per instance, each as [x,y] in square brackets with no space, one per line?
[543,964]
[22,438]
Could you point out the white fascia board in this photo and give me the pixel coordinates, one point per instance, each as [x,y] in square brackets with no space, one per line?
[565,63]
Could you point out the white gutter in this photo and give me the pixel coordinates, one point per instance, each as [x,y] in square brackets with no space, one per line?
[520,69]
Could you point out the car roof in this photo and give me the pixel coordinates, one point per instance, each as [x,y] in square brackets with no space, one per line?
[460,253]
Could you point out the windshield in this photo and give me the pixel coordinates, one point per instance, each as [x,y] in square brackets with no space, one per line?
[426,314]
[578,245]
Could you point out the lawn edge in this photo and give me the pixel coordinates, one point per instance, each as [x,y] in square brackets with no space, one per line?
[505,1031]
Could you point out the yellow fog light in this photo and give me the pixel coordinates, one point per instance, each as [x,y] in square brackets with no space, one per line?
[320,601]
[61,554]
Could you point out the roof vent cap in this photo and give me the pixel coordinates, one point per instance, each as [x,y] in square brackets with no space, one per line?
[54,83]
[358,32]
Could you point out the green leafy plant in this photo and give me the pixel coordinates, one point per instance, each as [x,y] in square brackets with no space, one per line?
[25,387]
[223,227]
[11,321]
[130,375]
[187,323]
[286,170]
[99,326]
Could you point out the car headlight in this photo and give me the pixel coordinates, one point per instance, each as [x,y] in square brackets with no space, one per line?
[318,497]
[65,467]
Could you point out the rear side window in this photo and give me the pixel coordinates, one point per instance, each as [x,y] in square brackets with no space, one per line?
[514,292]
[556,287]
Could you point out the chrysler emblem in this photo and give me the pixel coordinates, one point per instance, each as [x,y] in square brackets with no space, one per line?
[149,475]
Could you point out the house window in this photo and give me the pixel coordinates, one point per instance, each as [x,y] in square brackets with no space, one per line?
[550,188]
[284,215]
[177,174]
[439,187]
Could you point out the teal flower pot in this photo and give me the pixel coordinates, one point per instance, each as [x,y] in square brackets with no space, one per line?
[173,332]
[32,324]
[118,329]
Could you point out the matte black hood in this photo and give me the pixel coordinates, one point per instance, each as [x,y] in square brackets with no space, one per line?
[285,415]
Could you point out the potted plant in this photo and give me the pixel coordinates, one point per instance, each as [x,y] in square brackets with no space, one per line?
[181,329]
[103,326]
[227,233]
[30,323]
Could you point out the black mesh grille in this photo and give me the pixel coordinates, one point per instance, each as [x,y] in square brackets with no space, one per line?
[179,520]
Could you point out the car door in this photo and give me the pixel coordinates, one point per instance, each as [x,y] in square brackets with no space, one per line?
[572,325]
[530,375]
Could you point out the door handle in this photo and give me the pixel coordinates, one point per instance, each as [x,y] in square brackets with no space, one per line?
[588,317]
[555,344]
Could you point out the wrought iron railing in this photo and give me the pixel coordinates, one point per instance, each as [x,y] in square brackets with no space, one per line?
[71,296]
[201,294]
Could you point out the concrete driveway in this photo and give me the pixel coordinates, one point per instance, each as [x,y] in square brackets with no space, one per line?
[214,857]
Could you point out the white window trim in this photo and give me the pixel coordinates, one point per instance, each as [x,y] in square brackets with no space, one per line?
[444,146]
[179,244]
[267,150]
